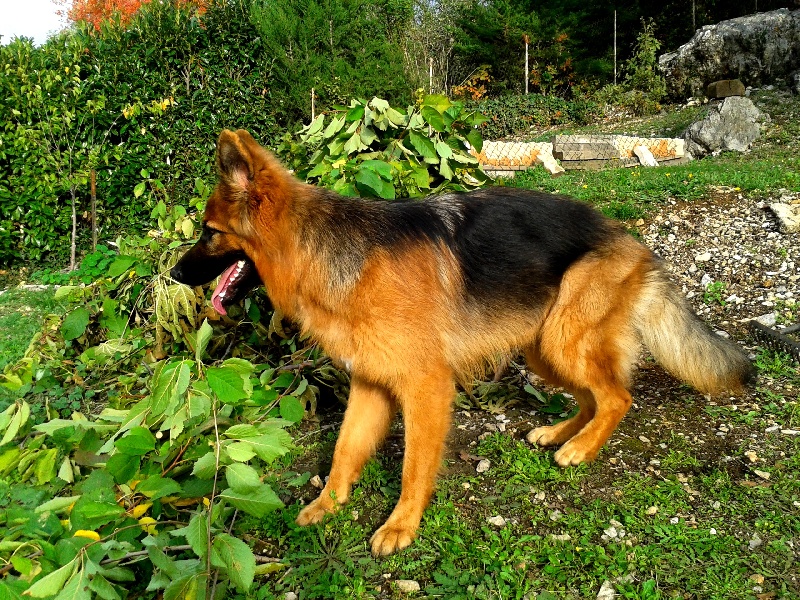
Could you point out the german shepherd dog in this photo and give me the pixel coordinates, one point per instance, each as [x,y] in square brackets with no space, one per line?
[411,296]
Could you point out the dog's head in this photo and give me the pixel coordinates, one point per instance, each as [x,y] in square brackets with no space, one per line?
[251,191]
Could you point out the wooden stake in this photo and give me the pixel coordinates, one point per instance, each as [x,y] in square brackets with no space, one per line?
[527,40]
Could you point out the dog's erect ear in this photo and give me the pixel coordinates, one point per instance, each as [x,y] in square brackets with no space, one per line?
[234,160]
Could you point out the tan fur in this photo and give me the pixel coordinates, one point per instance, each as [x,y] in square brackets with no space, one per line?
[406,332]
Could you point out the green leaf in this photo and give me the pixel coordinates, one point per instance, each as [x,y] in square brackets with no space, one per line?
[334,127]
[242,478]
[354,144]
[437,101]
[475,139]
[270,445]
[189,587]
[443,150]
[89,514]
[138,190]
[242,430]
[433,117]
[236,558]
[240,451]
[171,382]
[423,145]
[197,534]
[445,170]
[75,323]
[51,584]
[292,409]
[157,487]
[138,442]
[56,505]
[104,590]
[77,588]
[123,467]
[45,469]
[258,502]
[121,264]
[203,337]
[370,182]
[354,114]
[205,466]
[380,167]
[227,384]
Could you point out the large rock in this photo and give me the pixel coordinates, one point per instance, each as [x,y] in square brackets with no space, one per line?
[758,49]
[732,124]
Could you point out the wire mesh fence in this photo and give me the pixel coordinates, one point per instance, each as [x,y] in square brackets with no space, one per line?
[581,152]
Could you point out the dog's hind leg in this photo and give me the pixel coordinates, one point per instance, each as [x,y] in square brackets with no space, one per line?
[426,404]
[613,402]
[370,410]
[554,435]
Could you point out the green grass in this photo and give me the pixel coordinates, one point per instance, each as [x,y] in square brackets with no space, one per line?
[21,314]
[772,165]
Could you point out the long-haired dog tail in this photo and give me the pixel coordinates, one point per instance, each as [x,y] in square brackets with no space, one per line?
[683,344]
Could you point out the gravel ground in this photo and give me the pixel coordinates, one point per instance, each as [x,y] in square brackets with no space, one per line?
[729,257]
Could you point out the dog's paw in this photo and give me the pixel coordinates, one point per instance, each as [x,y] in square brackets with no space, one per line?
[544,436]
[571,454]
[391,538]
[316,511]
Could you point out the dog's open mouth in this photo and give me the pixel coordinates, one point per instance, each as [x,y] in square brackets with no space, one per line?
[234,283]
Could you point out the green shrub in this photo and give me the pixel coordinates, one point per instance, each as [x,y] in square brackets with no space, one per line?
[516,115]
[374,150]
[642,88]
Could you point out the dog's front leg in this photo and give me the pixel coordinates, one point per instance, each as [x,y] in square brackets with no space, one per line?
[426,404]
[370,410]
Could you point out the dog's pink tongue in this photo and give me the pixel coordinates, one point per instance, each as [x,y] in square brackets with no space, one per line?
[216,301]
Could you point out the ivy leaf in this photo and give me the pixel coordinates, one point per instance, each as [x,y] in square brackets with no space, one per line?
[258,502]
[227,384]
[75,323]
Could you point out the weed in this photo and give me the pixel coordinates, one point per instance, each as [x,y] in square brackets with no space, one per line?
[777,364]
[714,293]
